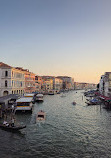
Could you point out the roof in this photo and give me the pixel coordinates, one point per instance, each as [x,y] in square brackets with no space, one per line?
[3,65]
[39,95]
[25,99]
[29,95]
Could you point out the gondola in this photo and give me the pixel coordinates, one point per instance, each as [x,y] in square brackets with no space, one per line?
[10,128]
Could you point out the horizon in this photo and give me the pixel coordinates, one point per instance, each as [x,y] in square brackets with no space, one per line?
[67,38]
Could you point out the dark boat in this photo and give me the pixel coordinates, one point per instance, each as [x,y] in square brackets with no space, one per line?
[10,128]
[74,103]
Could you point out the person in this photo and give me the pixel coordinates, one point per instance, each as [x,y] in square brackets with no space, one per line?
[5,123]
[12,122]
[13,108]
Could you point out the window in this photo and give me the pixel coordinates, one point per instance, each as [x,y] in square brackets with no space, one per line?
[6,83]
[12,83]
[6,73]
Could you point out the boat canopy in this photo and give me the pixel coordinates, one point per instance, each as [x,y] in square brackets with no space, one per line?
[25,99]
[39,95]
[29,95]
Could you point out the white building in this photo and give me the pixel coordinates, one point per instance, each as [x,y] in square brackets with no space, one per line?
[101,85]
[105,84]
[57,84]
[12,80]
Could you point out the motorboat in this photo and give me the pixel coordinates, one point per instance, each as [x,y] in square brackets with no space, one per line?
[39,98]
[74,103]
[41,116]
[51,92]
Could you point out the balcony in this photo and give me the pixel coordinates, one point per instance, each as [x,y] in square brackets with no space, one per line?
[5,77]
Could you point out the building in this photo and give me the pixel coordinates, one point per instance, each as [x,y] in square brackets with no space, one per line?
[57,84]
[38,83]
[105,84]
[29,80]
[47,83]
[12,80]
[101,85]
[85,86]
[68,82]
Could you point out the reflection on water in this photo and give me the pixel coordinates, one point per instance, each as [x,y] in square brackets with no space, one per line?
[77,131]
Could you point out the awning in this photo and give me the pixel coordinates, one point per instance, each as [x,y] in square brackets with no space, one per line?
[104,97]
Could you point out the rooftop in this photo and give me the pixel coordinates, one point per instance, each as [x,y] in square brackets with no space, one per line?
[3,65]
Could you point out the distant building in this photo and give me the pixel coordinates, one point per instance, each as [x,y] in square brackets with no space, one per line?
[82,85]
[68,82]
[38,83]
[57,84]
[101,85]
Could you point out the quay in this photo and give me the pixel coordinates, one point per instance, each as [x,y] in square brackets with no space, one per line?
[6,103]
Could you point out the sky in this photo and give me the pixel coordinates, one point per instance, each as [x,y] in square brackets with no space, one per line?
[57,37]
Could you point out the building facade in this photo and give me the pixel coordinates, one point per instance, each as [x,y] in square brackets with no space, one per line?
[12,80]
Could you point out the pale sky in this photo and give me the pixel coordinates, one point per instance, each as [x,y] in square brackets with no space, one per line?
[57,37]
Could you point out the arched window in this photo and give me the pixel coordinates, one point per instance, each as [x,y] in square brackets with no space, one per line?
[5,83]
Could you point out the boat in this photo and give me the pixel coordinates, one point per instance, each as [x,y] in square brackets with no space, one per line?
[51,92]
[74,103]
[93,101]
[24,104]
[10,128]
[41,116]
[39,97]
[63,95]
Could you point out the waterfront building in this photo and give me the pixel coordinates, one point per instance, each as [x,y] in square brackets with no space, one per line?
[12,80]
[106,84]
[29,80]
[68,82]
[47,83]
[85,86]
[38,83]
[52,83]
[101,85]
[57,84]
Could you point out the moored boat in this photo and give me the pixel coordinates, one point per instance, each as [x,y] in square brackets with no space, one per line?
[24,104]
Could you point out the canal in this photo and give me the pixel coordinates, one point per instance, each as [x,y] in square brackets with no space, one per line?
[69,131]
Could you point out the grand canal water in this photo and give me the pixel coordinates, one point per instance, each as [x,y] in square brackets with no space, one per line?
[70,131]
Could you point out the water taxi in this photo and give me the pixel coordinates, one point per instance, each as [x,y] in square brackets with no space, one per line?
[41,116]
[51,92]
[24,104]
[39,97]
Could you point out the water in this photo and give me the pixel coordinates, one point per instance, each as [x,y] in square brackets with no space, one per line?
[70,131]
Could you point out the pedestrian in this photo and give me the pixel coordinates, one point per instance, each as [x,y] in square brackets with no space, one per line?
[12,122]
